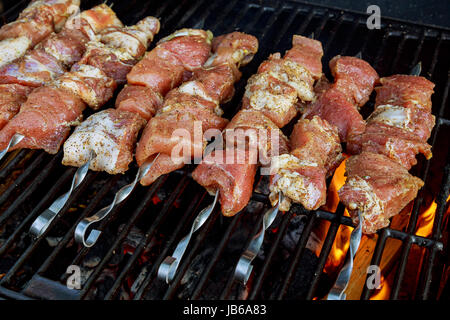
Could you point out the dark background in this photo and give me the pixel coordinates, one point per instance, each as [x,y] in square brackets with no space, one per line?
[430,12]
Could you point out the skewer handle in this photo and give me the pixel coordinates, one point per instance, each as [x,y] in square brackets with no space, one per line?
[43,221]
[124,192]
[16,138]
[244,267]
[338,290]
[169,266]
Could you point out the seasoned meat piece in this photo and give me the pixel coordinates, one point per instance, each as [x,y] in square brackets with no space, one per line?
[301,175]
[12,96]
[378,187]
[44,119]
[111,134]
[230,172]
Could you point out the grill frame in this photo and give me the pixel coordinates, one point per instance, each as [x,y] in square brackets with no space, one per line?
[326,23]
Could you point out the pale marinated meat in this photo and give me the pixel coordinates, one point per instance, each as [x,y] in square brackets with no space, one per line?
[301,175]
[109,134]
[281,83]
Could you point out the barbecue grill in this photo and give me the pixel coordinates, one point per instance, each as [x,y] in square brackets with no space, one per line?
[141,231]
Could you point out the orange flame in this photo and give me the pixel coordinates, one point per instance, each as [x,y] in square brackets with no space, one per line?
[426,220]
[341,242]
[382,293]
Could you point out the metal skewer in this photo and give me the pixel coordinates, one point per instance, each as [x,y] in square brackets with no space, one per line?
[169,266]
[43,221]
[244,266]
[84,225]
[16,138]
[337,292]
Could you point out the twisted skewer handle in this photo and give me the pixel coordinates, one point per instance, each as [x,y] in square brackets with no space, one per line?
[338,290]
[43,221]
[244,267]
[169,266]
[16,138]
[84,225]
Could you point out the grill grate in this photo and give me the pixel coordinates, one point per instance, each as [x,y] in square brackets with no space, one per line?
[124,262]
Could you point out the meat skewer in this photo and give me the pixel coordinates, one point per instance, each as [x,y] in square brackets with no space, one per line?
[218,76]
[337,292]
[38,20]
[92,131]
[103,66]
[378,182]
[269,100]
[49,60]
[316,152]
[148,82]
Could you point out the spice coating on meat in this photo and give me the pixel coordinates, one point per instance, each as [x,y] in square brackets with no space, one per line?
[301,175]
[195,102]
[37,21]
[377,187]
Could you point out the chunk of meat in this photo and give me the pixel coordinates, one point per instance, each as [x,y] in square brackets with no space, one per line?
[317,141]
[300,181]
[353,76]
[301,175]
[12,96]
[335,107]
[258,134]
[44,119]
[405,90]
[307,53]
[230,172]
[140,100]
[89,83]
[111,134]
[378,188]
[395,143]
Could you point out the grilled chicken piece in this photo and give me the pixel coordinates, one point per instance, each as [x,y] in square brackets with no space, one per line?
[233,173]
[338,103]
[301,175]
[377,187]
[46,125]
[196,100]
[279,83]
[34,24]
